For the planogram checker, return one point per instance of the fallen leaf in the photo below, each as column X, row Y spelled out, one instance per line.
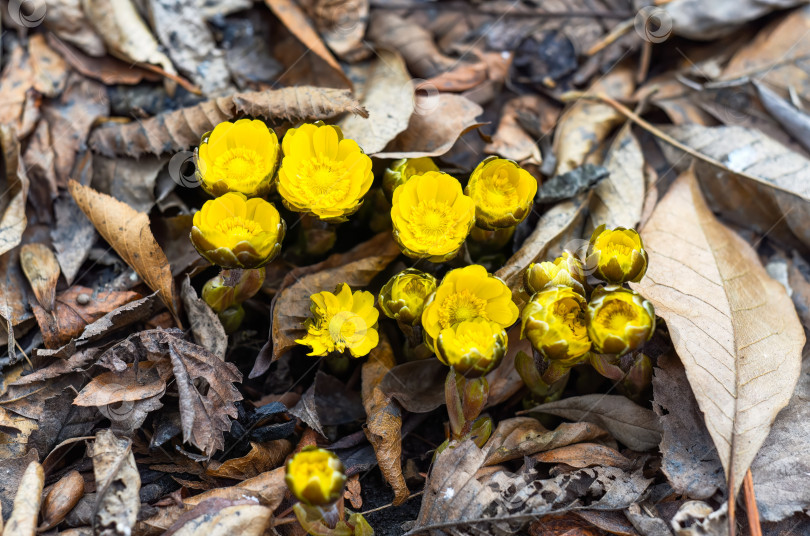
column 794, row 121
column 417, row 385
column 42, row 271
column 585, row 455
column 689, row 19
column 511, row 140
column 734, row 328
column 204, row 322
column 342, row 26
column 17, row 112
column 117, row 485
column 23, row 520
column 437, row 122
column 12, row 469
column 690, row 460
column 61, row 499
column 570, row 184
column 384, row 420
column 567, row 525
column 127, row 231
column 389, row 99
column 647, row 521
column 181, row 129
column 15, row 191
column 523, row 436
column 137, row 382
column 50, row 70
column 353, row 492
column 262, row 457
column 72, row 236
column 629, row 423
column 504, row 381
column 696, row 518
column 128, row 179
column 245, row 519
column 66, row 19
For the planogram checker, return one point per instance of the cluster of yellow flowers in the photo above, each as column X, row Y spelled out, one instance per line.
column 563, row 325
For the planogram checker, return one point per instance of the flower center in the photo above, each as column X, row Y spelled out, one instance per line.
column 347, row 328
column 615, row 315
column 323, row 180
column 569, row 311
column 499, row 192
column 241, row 166
column 460, row 306
column 239, row 228
column 432, row 222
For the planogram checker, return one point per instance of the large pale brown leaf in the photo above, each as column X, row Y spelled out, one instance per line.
column 181, row 129
column 128, row 232
column 734, row 328
column 15, row 192
column 23, row 520
column 117, row 485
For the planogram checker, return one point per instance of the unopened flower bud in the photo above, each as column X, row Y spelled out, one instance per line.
column 554, row 322
column 403, row 297
column 619, row 320
column 315, row 476
column 617, row 255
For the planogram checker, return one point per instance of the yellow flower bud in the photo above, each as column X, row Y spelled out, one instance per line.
column 230, row 287
column 238, row 157
column 619, row 320
column 403, row 297
column 432, row 217
column 565, row 270
column 473, row 347
column 466, row 294
column 232, row 231
column 502, row 191
column 341, row 321
column 322, row 173
column 315, row 476
column 554, row 322
column 617, row 255
column 401, row 171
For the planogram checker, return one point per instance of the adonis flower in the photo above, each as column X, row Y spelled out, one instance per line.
column 566, row 270
column 432, row 217
column 341, row 321
column 322, row 173
column 617, row 255
column 233, row 231
column 554, row 322
column 401, row 171
column 466, row 294
column 315, row 476
column 403, row 297
column 503, row 193
column 238, row 157
column 619, row 320
column 473, row 347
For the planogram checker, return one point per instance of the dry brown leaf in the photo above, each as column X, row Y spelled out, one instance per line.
column 511, row 140
column 61, row 499
column 244, row 519
column 18, row 110
column 629, row 423
column 42, row 271
column 299, row 24
column 15, row 191
column 417, row 385
column 342, row 25
column 23, row 520
column 384, row 419
column 691, row 19
column 523, row 436
column 734, row 328
column 504, row 381
column 389, row 100
column 261, row 458
column 585, row 455
column 50, row 70
column 437, row 122
column 137, row 382
column 204, row 322
column 72, row 236
column 12, row 467
column 117, row 485
column 66, row 19
column 127, row 231
column 353, row 491
column 181, row 129
column 566, row 525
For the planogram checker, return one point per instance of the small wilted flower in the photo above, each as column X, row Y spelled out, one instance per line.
column 619, row 320
column 466, row 294
column 432, row 217
column 400, row 171
column 341, row 321
column 617, row 255
column 502, row 191
column 554, row 322
column 322, row 173
column 315, row 476
column 233, row 231
column 565, row 270
column 403, row 297
column 473, row 347
column 238, row 157
column 230, row 287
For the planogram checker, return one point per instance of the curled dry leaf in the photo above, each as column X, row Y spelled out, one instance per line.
column 42, row 271
column 246, row 519
column 417, row 385
column 61, row 499
column 511, row 140
column 585, row 455
column 15, row 191
column 182, row 129
column 262, row 457
column 734, row 328
column 629, row 423
column 127, row 231
column 138, row 382
column 384, row 419
column 205, row 324
column 353, row 491
column 117, row 485
column 389, row 100
column 23, row 520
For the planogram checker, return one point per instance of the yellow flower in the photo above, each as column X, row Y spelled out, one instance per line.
column 403, row 296
column 340, row 321
column 619, row 320
column 466, row 294
column 432, row 217
column 554, row 322
column 401, row 171
column 617, row 255
column 565, row 270
column 322, row 173
column 315, row 476
column 503, row 193
column 233, row 231
column 238, row 157
column 473, row 347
